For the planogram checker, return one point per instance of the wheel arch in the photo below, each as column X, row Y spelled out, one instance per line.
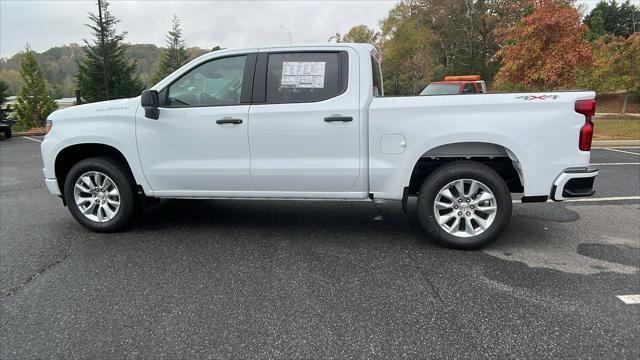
column 70, row 155
column 495, row 155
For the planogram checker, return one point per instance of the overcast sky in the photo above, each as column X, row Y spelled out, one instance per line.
column 205, row 23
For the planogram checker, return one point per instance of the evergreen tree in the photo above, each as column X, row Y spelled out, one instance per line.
column 33, row 103
column 4, row 87
column 176, row 53
column 106, row 72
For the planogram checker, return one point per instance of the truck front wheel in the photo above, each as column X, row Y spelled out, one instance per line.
column 99, row 194
column 464, row 205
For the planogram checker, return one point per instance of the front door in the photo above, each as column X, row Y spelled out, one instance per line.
column 198, row 146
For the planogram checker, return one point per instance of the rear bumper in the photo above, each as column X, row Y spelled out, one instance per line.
column 574, row 183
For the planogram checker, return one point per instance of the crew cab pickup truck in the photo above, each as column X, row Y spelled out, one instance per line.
column 311, row 122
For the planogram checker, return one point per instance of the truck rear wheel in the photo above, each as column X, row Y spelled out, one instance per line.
column 464, row 205
column 99, row 194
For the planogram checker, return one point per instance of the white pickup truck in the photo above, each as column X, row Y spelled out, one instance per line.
column 311, row 122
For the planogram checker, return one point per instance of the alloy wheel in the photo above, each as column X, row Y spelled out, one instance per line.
column 465, row 207
column 96, row 196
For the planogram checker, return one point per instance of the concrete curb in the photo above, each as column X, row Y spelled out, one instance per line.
column 617, row 116
column 615, row 143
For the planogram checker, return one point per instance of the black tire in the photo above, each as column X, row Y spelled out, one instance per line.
column 120, row 175
column 448, row 173
column 7, row 134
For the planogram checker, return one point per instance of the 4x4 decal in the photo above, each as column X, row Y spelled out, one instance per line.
column 537, row 97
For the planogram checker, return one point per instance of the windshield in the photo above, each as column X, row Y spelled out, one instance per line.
column 441, row 89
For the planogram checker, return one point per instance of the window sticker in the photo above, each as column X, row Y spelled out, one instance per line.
column 297, row 74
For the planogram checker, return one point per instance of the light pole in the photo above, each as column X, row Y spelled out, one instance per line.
column 288, row 32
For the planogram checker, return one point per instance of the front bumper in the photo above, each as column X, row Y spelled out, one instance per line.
column 52, row 186
column 574, row 183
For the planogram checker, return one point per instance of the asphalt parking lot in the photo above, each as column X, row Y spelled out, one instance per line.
column 249, row 279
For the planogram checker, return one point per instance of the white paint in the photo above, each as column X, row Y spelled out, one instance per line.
column 186, row 150
column 615, row 164
column 32, row 139
column 629, row 299
column 623, row 151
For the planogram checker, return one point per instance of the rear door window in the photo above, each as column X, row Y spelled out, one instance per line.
column 305, row 77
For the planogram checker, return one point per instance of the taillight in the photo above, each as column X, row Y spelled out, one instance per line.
column 588, row 109
column 49, row 125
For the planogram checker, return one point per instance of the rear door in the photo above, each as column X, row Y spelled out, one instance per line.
column 304, row 132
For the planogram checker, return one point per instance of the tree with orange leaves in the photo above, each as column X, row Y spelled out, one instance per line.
column 542, row 50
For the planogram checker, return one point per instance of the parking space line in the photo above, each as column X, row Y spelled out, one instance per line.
column 612, row 198
column 618, row 163
column 32, row 139
column 623, row 151
column 629, row 299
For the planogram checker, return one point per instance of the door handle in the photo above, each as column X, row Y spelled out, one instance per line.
column 228, row 121
column 338, row 118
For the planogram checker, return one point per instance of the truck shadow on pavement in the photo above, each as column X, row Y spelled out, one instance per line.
column 541, row 236
column 286, row 218
column 383, row 221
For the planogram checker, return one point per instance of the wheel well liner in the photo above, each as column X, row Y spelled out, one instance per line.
column 501, row 164
column 73, row 154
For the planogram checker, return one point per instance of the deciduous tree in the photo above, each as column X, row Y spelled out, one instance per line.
column 407, row 50
column 614, row 68
column 33, row 103
column 358, row 34
column 464, row 33
column 544, row 48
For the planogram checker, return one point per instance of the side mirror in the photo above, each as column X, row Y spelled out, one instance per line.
column 150, row 102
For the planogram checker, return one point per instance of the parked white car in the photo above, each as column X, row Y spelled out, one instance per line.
column 311, row 122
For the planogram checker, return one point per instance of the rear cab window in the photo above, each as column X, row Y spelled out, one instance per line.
column 469, row 89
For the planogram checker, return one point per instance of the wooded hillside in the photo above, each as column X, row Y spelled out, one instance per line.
column 59, row 66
